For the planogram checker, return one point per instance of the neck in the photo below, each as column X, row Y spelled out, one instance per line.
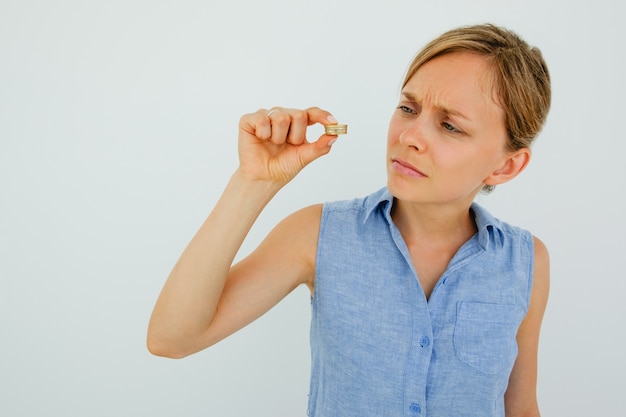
column 436, row 224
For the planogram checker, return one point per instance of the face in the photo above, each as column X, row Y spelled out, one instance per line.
column 447, row 135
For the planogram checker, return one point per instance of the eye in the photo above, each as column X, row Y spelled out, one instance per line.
column 450, row 128
column 406, row 109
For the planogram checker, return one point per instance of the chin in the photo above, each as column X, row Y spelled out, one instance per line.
column 402, row 189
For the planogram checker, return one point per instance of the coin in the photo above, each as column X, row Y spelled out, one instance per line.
column 336, row 129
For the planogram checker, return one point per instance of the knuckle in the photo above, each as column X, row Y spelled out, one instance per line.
column 246, row 116
column 300, row 117
column 264, row 134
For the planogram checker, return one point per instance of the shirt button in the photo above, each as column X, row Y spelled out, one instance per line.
column 424, row 341
column 415, row 408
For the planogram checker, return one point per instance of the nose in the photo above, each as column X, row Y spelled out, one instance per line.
column 415, row 133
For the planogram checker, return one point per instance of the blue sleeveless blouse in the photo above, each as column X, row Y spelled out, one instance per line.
column 380, row 348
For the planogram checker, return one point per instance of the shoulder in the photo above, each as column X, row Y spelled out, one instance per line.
column 541, row 274
column 360, row 207
column 539, row 290
column 542, row 257
column 299, row 231
column 302, row 225
column 503, row 234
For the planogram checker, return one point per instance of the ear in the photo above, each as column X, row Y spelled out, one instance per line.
column 513, row 164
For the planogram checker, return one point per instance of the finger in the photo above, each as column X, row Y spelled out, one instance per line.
column 256, row 124
column 297, row 128
column 317, row 115
column 280, row 122
column 312, row 151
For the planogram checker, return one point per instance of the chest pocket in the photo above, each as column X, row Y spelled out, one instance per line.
column 485, row 336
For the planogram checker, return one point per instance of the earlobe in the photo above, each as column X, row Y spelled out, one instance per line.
column 512, row 166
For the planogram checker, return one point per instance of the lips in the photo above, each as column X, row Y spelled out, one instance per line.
column 406, row 168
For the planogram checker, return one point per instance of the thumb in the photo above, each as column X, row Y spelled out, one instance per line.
column 323, row 144
column 320, row 147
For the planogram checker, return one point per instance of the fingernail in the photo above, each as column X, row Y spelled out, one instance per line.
column 330, row 142
column 331, row 119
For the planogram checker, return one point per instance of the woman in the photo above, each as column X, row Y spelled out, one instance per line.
column 423, row 303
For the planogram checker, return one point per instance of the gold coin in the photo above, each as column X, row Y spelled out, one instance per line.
column 336, row 129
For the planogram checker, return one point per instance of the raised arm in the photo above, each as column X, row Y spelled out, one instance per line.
column 205, row 299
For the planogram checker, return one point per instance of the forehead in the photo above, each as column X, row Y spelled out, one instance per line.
column 460, row 81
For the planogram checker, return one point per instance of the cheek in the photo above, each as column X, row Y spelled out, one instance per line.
column 458, row 160
column 393, row 133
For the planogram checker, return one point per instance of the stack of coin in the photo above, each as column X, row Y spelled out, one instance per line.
column 336, row 129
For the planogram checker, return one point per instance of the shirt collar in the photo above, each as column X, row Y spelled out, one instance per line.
column 489, row 228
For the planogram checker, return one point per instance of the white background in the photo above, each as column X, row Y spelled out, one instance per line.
column 118, row 124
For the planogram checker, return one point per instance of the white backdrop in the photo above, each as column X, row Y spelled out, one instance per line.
column 118, row 124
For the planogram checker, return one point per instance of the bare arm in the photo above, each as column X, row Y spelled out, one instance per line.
column 521, row 395
column 205, row 299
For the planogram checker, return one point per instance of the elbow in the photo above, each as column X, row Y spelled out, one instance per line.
column 164, row 347
column 173, row 346
column 157, row 348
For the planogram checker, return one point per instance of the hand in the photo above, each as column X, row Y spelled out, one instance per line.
column 275, row 148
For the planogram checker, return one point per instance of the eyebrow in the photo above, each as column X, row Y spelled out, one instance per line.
column 442, row 107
